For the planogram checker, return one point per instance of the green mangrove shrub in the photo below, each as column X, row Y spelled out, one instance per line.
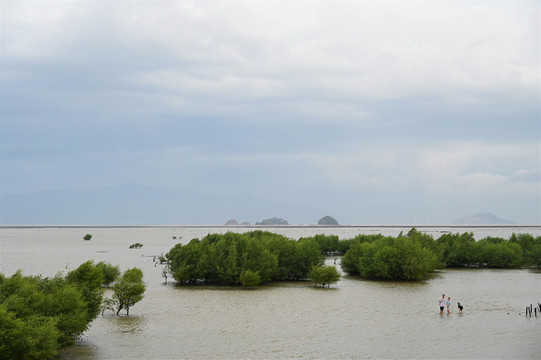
column 41, row 315
column 235, row 259
column 324, row 275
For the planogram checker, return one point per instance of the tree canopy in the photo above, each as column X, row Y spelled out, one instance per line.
column 256, row 257
column 251, row 258
column 324, row 275
column 128, row 290
column 40, row 315
column 412, row 256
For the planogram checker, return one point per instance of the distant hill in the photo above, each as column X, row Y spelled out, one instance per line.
column 482, row 219
column 134, row 204
column 235, row 222
column 327, row 220
column 273, row 221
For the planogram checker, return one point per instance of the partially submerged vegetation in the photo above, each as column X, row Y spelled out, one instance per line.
column 247, row 259
column 402, row 258
column 324, row 275
column 257, row 257
column 41, row 315
column 411, row 256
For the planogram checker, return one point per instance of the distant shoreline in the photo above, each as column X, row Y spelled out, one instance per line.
column 453, row 226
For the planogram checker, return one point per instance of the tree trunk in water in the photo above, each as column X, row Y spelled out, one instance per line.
column 120, row 307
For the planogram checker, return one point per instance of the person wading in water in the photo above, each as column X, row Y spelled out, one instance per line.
column 442, row 303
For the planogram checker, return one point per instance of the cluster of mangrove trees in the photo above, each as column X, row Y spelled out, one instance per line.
column 247, row 259
column 256, row 257
column 390, row 258
column 40, row 315
column 412, row 256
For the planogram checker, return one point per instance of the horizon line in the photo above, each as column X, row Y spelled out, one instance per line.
column 279, row 226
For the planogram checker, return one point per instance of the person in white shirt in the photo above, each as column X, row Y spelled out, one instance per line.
column 442, row 303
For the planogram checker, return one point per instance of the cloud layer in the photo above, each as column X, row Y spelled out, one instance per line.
column 377, row 111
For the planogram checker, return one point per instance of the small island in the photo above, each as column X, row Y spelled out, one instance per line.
column 327, row 220
column 273, row 221
column 234, row 222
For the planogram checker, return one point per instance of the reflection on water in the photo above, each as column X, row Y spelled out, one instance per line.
column 127, row 324
column 353, row 319
column 82, row 350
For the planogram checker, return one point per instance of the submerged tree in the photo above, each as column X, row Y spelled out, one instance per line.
column 128, row 290
column 250, row 278
column 40, row 315
column 324, row 275
column 388, row 258
column 89, row 278
column 234, row 259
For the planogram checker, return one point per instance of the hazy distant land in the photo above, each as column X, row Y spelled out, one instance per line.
column 131, row 205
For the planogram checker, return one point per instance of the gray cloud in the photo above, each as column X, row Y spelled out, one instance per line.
column 354, row 100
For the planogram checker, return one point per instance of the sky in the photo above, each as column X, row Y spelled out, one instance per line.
column 376, row 111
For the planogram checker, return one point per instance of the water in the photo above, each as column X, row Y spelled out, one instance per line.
column 352, row 319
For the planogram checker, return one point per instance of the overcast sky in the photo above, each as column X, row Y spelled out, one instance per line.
column 376, row 111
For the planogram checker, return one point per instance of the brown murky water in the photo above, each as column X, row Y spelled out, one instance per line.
column 353, row 319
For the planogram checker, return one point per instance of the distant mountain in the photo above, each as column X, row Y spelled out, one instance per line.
column 482, row 219
column 133, row 204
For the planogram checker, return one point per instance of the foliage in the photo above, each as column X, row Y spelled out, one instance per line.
column 128, row 290
column 328, row 244
column 531, row 249
column 249, row 278
column 137, row 245
column 408, row 257
column 88, row 279
column 500, row 254
column 461, row 250
column 324, row 275
column 353, row 251
column 38, row 315
column 222, row 258
column 108, row 304
column 31, row 337
column 110, row 272
column 234, row 258
column 458, row 249
column 87, row 237
column 534, row 256
column 401, row 258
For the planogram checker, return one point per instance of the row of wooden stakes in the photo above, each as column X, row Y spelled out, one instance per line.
column 530, row 308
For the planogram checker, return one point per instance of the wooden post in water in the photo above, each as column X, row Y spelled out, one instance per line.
column 527, row 310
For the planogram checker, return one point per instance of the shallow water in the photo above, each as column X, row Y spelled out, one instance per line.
column 352, row 319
